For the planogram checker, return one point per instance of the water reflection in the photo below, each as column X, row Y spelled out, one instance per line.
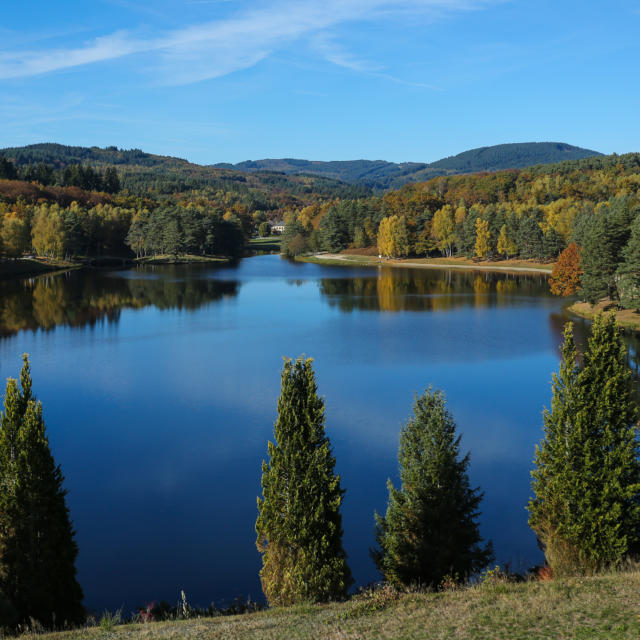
column 84, row 298
column 421, row 290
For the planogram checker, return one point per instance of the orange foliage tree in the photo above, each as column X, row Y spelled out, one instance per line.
column 565, row 277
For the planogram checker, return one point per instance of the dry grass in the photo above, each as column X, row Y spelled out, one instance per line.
column 359, row 259
column 627, row 318
column 606, row 607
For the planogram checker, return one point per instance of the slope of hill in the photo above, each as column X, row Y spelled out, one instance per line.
column 379, row 174
column 141, row 172
column 603, row 607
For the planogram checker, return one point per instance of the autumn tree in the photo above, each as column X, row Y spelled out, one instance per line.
column 483, row 238
column 443, row 228
column 393, row 238
column 586, row 482
column 566, row 273
column 430, row 528
column 15, row 237
column 506, row 245
column 37, row 546
column 299, row 526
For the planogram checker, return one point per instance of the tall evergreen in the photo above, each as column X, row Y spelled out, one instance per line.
column 599, row 260
column 586, row 482
column 430, row 529
column 299, row 525
column 37, row 547
column 629, row 270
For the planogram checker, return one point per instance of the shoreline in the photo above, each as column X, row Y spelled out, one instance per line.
column 341, row 259
column 627, row 319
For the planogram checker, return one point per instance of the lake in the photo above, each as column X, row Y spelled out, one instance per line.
column 159, row 388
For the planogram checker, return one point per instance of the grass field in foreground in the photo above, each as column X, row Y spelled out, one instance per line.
column 606, row 607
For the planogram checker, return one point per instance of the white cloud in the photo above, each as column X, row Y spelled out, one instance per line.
column 219, row 47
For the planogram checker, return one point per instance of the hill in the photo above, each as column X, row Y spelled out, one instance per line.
column 604, row 607
column 141, row 173
column 379, row 174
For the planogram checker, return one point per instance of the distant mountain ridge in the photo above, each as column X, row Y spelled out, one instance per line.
column 137, row 166
column 380, row 174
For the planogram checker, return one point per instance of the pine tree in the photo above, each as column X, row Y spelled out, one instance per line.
column 430, row 529
column 586, row 505
column 629, row 270
column 299, row 525
column 37, row 547
column 599, row 261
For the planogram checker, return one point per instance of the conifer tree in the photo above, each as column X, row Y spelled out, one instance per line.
column 37, row 547
column 430, row 529
column 629, row 270
column 299, row 525
column 586, row 505
column 599, row 261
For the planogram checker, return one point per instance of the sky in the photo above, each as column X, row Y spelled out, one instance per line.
column 399, row 80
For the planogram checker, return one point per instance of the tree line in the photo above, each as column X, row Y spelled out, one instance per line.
column 532, row 213
column 585, row 508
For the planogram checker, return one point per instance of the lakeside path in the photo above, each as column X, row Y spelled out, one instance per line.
column 425, row 263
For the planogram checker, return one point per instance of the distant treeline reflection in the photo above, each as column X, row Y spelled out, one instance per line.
column 81, row 298
column 418, row 290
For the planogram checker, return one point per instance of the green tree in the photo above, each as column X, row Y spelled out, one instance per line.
column 586, row 482
column 264, row 230
column 599, row 260
column 37, row 547
column 430, row 529
column 299, row 526
column 629, row 270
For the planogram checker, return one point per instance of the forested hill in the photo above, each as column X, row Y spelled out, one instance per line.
column 379, row 174
column 141, row 173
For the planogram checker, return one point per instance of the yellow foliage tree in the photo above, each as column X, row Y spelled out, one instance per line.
column 393, row 237
column 506, row 245
column 15, row 238
column 443, row 229
column 483, row 238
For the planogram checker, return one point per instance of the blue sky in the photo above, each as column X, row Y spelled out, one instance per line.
column 230, row 80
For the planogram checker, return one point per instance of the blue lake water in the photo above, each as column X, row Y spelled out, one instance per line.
column 159, row 388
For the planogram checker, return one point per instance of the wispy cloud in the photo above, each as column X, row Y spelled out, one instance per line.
column 220, row 47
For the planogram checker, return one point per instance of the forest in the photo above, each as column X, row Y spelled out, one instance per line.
column 54, row 204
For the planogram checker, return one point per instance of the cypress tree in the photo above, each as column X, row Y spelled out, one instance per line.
column 37, row 547
column 586, row 505
column 430, row 529
column 299, row 526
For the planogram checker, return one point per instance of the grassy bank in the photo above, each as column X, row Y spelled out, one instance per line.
column 604, row 607
column 626, row 318
column 344, row 259
column 270, row 243
column 186, row 258
column 33, row 267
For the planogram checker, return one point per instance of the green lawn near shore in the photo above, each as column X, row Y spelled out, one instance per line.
column 605, row 607
column 269, row 243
